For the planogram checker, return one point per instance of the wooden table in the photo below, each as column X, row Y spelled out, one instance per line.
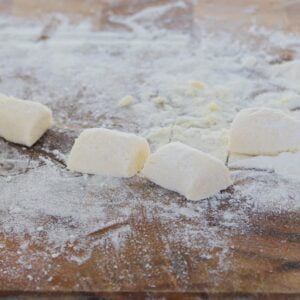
column 264, row 260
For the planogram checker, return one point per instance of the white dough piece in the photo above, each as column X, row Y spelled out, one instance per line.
column 186, row 170
column 108, row 152
column 23, row 122
column 257, row 131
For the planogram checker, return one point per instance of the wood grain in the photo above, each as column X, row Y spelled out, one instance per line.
column 263, row 260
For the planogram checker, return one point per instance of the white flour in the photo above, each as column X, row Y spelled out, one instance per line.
column 185, row 88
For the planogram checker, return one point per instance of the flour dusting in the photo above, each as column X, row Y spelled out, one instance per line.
column 182, row 87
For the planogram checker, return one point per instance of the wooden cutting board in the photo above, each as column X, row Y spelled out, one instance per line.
column 261, row 259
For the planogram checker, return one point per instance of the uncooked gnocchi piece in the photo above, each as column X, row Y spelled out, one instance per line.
column 188, row 171
column 257, row 131
column 108, row 152
column 23, row 122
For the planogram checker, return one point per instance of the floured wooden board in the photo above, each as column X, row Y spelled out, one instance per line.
column 63, row 232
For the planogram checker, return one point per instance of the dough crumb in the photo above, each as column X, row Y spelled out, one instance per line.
column 213, row 107
column 126, row 101
column 159, row 100
column 188, row 122
column 194, row 88
column 196, row 84
column 210, row 120
column 29, row 277
column 160, row 136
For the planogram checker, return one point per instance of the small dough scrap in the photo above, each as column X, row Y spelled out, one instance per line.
column 210, row 120
column 188, row 171
column 194, row 88
column 23, row 122
column 159, row 100
column 108, row 152
column 126, row 101
column 196, row 84
column 160, row 136
column 213, row 107
column 189, row 122
column 257, row 131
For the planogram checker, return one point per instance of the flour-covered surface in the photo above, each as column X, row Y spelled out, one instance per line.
column 63, row 231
